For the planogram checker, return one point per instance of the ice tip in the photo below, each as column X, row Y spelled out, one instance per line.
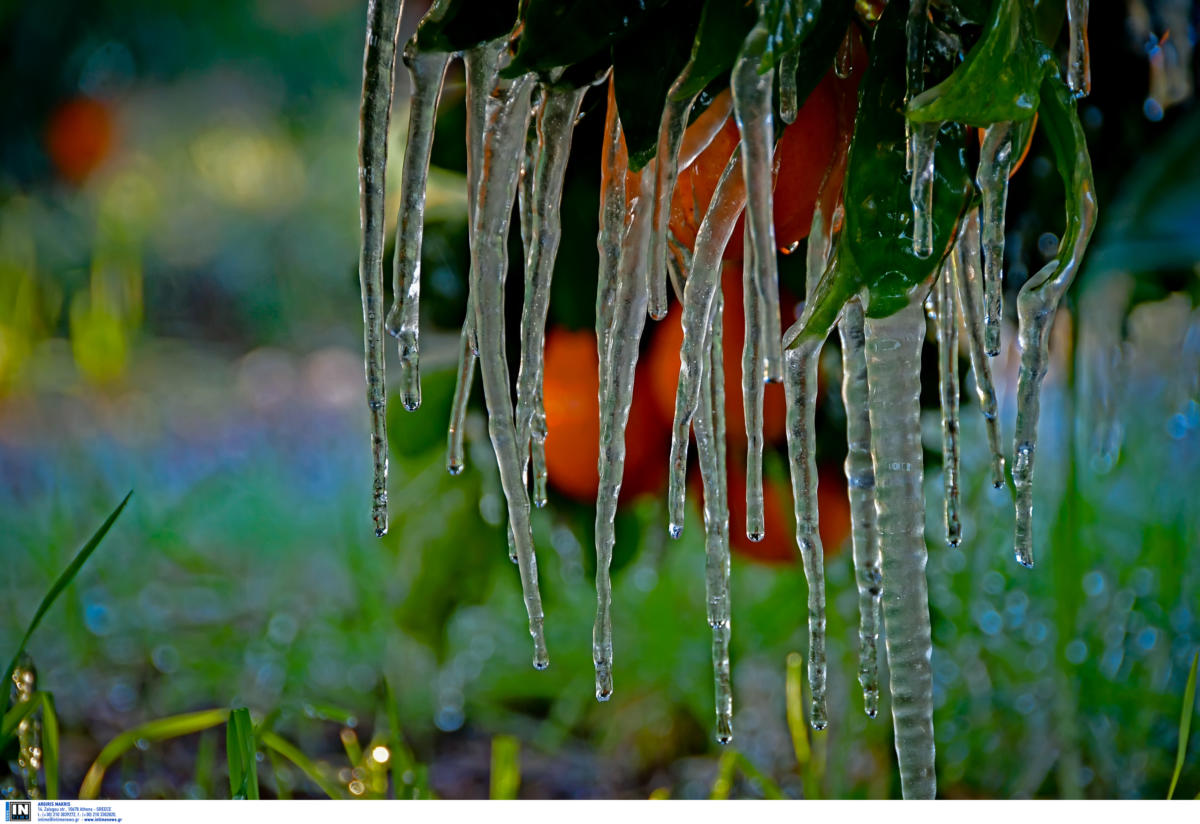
column 411, row 403
column 756, row 536
column 454, row 468
column 675, row 530
column 724, row 731
column 541, row 662
column 380, row 531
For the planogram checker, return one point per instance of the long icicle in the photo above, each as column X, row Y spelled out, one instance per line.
column 616, row 395
column 752, row 108
column 428, row 72
column 860, row 483
column 922, row 145
column 670, row 137
column 800, row 389
column 995, row 163
column 507, row 113
column 710, row 449
column 1079, row 63
column 379, row 58
column 715, row 230
column 481, row 68
column 1037, row 303
column 555, row 124
column 947, row 339
column 894, row 380
column 753, row 377
column 613, row 213
column 965, row 259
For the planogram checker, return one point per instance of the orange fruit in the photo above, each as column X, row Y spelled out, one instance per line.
column 79, row 137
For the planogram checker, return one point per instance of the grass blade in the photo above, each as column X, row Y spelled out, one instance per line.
column 506, row 768
column 64, row 579
column 240, row 754
column 276, row 743
column 50, row 737
column 16, row 714
column 1185, row 723
column 159, row 730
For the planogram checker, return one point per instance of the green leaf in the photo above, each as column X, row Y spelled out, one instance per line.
column 788, row 24
column 465, row 24
column 875, row 248
column 63, row 580
column 159, row 730
column 50, row 745
column 274, row 742
column 645, row 64
column 506, row 768
column 556, row 33
column 18, row 713
column 723, row 27
column 999, row 80
column 1185, row 724
column 240, row 755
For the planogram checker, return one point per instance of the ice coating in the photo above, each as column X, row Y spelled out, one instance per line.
column 1037, row 303
column 506, row 119
column 379, row 58
column 465, row 375
column 613, row 218
column 800, row 390
column 947, row 339
column 922, row 143
column 753, row 377
column 618, row 366
column 995, row 164
column 1079, row 64
column 428, row 72
column 752, row 110
column 789, row 103
column 710, row 449
column 699, row 291
column 967, row 271
column 554, row 125
column 670, row 139
column 860, row 483
column 894, row 387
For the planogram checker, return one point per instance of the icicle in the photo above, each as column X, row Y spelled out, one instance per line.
column 1037, row 303
column 753, row 374
column 619, row 364
column 613, row 210
column 914, row 62
column 428, row 72
column 995, row 164
column 860, row 482
column 800, row 385
column 378, row 63
column 555, row 123
column 702, row 281
column 507, row 113
column 670, row 136
column 894, row 379
column 922, row 143
column 1079, row 64
column 967, row 276
column 789, row 103
column 462, row 392
column 707, row 125
column 752, row 108
column 947, row 338
column 710, row 449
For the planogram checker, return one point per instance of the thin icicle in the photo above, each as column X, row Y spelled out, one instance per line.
column 379, row 59
column 914, row 65
column 507, row 113
column 800, row 385
column 947, row 338
column 555, row 123
column 702, row 281
column 894, row 379
column 670, row 137
column 753, row 375
column 753, row 110
column 922, row 143
column 995, row 164
column 710, row 449
column 428, row 72
column 1037, row 303
column 860, row 482
column 789, row 103
column 707, row 125
column 967, row 277
column 1079, row 63
column 619, row 364
column 613, row 211
column 462, row 392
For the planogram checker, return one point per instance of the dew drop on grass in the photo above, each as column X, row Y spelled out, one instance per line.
column 379, row 58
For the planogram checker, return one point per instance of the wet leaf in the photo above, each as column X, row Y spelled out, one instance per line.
column 789, row 24
column 465, row 24
column 556, row 33
column 723, row 26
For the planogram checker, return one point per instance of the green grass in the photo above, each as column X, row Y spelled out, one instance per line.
column 1185, row 724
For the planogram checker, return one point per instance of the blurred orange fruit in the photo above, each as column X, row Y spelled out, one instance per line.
column 79, row 137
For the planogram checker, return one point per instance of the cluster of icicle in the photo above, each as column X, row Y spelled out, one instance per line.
column 518, row 138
